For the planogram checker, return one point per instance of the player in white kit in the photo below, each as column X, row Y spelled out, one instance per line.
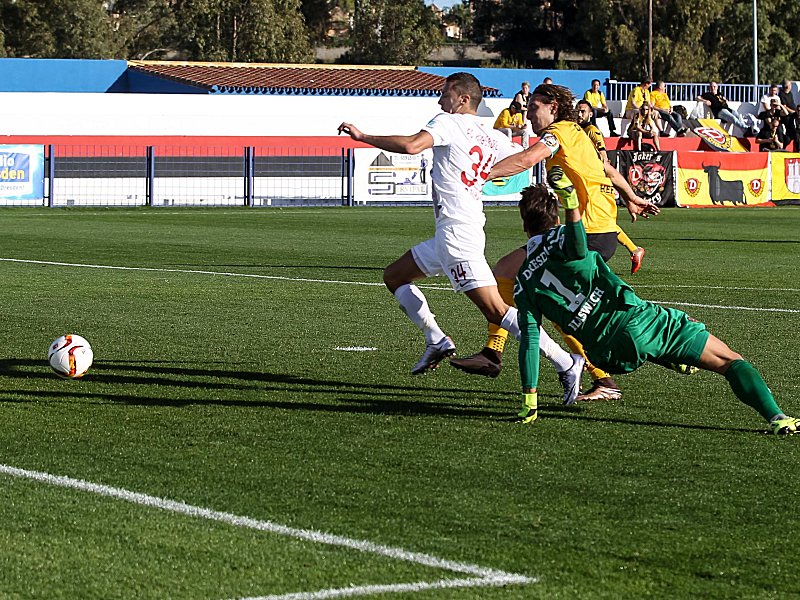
column 464, row 150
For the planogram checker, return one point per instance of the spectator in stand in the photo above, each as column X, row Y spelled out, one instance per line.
column 639, row 95
column 523, row 97
column 597, row 100
column 771, row 138
column 663, row 107
column 510, row 122
column 643, row 126
column 720, row 109
column 789, row 122
column 547, row 81
column 775, row 109
column 766, row 99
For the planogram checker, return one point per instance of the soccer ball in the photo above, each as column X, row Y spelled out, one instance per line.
column 70, row 356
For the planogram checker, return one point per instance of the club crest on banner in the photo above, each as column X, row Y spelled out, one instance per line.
column 792, row 174
column 692, row 186
column 756, row 187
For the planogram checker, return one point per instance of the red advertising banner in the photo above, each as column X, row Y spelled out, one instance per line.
column 719, row 179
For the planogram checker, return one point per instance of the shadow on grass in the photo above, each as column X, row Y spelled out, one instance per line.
column 343, row 395
column 379, row 399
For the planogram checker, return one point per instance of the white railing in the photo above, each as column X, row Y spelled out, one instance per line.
column 688, row 92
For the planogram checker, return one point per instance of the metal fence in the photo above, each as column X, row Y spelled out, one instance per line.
column 107, row 175
column 688, row 92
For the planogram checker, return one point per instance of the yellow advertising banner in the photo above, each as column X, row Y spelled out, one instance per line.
column 785, row 176
column 718, row 179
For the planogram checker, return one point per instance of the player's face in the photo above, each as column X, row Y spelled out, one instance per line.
column 585, row 113
column 540, row 114
column 450, row 101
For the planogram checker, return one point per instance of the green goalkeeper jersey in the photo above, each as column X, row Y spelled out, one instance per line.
column 571, row 286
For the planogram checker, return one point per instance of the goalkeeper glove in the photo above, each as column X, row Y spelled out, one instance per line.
column 562, row 187
column 529, row 410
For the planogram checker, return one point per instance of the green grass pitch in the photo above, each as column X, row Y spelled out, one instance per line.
column 229, row 392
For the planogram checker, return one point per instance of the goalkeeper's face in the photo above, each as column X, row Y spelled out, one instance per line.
column 541, row 114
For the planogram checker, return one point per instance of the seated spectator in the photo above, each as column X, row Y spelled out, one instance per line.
column 547, row 81
column 638, row 95
column 509, row 121
column 597, row 100
column 767, row 98
column 523, row 98
column 775, row 109
column 771, row 138
column 643, row 126
column 721, row 110
column 663, row 107
column 789, row 121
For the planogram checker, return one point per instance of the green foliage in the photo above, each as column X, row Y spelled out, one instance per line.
column 49, row 29
column 242, row 30
column 393, row 32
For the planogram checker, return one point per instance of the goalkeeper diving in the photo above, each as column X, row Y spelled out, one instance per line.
column 573, row 287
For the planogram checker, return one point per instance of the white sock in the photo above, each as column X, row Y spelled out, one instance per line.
column 510, row 323
column 561, row 359
column 413, row 303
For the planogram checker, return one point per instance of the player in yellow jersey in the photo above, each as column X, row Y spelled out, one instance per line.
column 562, row 143
column 622, row 185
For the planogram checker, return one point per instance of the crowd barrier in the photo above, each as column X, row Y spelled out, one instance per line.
column 174, row 174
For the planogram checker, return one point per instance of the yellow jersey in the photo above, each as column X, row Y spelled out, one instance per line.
column 660, row 100
column 636, row 97
column 596, row 99
column 572, row 150
column 506, row 119
column 596, row 137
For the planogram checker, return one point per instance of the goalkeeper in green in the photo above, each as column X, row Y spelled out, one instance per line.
column 573, row 287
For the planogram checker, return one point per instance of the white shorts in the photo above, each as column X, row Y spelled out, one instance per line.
column 456, row 250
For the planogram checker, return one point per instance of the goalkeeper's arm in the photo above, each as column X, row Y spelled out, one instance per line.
column 575, row 245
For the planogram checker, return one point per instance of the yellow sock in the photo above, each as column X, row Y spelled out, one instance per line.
column 623, row 239
column 498, row 335
column 577, row 348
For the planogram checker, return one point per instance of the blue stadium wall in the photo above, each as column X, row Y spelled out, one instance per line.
column 508, row 81
column 76, row 75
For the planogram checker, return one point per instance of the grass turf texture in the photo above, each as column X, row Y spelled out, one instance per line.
column 227, row 393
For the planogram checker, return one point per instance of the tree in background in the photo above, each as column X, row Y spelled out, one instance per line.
column 393, row 32
column 64, row 29
column 242, row 30
column 143, row 27
column 461, row 14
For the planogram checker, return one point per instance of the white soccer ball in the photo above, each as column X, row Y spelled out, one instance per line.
column 70, row 356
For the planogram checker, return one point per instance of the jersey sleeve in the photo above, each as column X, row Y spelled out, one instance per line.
column 439, row 128
column 551, row 142
column 574, row 244
column 529, row 318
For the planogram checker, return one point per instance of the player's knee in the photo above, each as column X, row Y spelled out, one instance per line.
column 508, row 266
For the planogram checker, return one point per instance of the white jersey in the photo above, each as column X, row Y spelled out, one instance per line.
column 464, row 150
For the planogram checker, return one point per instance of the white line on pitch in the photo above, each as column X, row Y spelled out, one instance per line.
column 310, row 535
column 420, row 586
column 362, row 283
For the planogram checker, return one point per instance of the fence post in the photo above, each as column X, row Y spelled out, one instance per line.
column 351, row 165
column 249, row 168
column 51, row 172
column 151, row 176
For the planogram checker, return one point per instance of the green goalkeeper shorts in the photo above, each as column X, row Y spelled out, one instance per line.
column 654, row 333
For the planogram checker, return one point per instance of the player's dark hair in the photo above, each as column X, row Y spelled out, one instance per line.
column 538, row 209
column 549, row 93
column 466, row 84
column 584, row 102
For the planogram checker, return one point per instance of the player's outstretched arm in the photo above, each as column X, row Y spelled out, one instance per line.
column 519, row 162
column 402, row 144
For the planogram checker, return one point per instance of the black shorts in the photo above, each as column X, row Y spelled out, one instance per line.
column 605, row 244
